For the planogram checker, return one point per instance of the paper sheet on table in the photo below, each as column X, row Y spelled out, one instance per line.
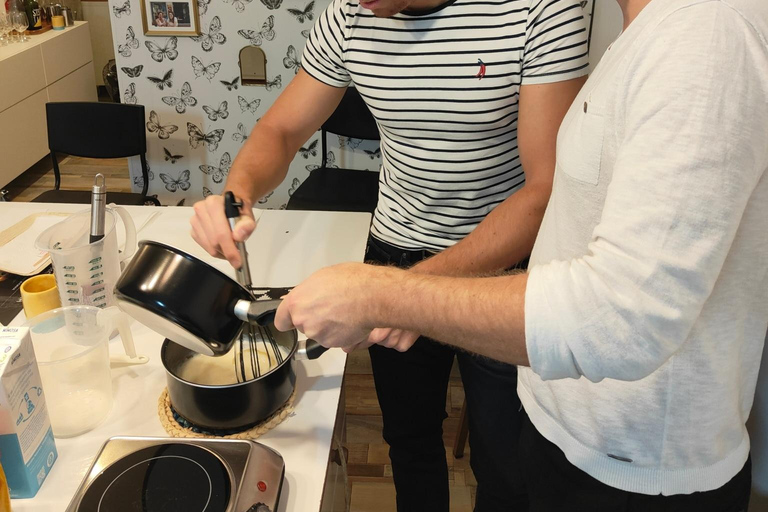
column 20, row 256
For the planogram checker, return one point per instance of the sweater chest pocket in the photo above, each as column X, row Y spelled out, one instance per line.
column 580, row 145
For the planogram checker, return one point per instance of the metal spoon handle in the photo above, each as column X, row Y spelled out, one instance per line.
column 232, row 210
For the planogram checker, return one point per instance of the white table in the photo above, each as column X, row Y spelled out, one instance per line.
column 286, row 247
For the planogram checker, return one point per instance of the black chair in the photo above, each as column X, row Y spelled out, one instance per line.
column 334, row 189
column 96, row 130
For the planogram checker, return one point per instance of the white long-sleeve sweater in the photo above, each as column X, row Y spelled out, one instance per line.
column 647, row 299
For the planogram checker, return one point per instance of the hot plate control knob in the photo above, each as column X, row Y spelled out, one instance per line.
column 262, row 486
column 259, row 507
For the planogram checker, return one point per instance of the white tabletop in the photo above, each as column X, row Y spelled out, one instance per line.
column 286, row 247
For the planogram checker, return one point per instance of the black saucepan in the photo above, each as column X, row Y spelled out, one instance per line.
column 188, row 301
column 234, row 406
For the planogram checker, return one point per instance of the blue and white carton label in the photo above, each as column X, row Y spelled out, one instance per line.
column 27, row 450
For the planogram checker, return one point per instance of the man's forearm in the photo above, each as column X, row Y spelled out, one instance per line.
column 481, row 315
column 501, row 240
column 261, row 165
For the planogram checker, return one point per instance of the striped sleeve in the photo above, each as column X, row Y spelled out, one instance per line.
column 323, row 56
column 556, row 46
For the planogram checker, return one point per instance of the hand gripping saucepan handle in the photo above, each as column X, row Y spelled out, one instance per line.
column 259, row 312
column 262, row 312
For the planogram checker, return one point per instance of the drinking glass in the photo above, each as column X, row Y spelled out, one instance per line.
column 5, row 28
column 20, row 23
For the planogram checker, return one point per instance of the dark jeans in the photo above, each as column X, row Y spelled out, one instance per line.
column 411, row 387
column 555, row 485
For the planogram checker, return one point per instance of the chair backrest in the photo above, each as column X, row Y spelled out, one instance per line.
column 96, row 130
column 352, row 118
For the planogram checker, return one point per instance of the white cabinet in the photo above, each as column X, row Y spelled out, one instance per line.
column 53, row 66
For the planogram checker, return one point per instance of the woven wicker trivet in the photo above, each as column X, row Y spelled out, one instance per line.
column 171, row 422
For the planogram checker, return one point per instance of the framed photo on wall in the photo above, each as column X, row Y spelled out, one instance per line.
column 170, row 17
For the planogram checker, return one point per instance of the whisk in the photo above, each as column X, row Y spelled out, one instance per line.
column 246, row 350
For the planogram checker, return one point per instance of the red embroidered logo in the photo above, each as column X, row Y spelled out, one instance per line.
column 480, row 74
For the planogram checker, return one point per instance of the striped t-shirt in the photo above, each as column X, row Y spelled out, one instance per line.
column 443, row 86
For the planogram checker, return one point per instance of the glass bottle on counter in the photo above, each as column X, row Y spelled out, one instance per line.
column 45, row 13
column 33, row 13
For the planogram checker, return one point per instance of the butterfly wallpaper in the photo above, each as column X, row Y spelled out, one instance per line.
column 198, row 112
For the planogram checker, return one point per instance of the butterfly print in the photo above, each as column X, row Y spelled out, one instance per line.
column 208, row 71
column 277, row 83
column 123, row 9
column 139, row 180
column 169, row 156
column 181, row 183
column 265, row 198
column 169, row 50
column 154, row 126
column 305, row 33
column 231, row 85
column 373, row 154
column 162, row 83
column 133, row 72
column 202, row 6
column 272, row 4
column 310, row 150
column 240, row 135
column 267, row 32
column 206, row 192
column 196, row 136
column 350, row 142
column 294, row 185
column 218, row 173
column 583, row 3
column 131, row 43
column 330, row 161
column 245, row 105
column 291, row 60
column 183, row 101
column 213, row 36
column 238, row 4
column 304, row 15
column 129, row 96
column 215, row 115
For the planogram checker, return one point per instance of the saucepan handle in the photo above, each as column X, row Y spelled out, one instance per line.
column 259, row 312
column 309, row 349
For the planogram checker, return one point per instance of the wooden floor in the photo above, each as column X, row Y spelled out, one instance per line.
column 370, row 473
column 76, row 174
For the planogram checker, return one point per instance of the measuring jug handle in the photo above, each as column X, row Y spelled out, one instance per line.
column 130, row 232
column 116, row 319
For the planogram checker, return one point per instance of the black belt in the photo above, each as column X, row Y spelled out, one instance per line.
column 382, row 252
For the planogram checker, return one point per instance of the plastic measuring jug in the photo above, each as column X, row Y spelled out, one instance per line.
column 72, row 350
column 86, row 273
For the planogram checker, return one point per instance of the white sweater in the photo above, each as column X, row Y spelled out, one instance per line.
column 647, row 299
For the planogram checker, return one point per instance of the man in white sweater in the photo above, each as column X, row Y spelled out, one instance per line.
column 643, row 314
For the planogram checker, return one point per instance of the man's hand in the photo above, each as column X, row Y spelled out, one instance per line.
column 333, row 305
column 397, row 339
column 210, row 228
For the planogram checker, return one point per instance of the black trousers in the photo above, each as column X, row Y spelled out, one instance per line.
column 412, row 386
column 555, row 485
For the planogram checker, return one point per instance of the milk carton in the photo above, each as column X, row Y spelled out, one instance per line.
column 27, row 451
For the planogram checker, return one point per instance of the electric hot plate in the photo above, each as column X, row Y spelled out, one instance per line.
column 143, row 474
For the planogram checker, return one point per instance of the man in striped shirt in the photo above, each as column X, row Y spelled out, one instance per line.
column 468, row 96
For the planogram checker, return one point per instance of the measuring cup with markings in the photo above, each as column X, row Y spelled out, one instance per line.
column 72, row 350
column 86, row 272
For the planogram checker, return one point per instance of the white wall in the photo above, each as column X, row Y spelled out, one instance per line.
column 96, row 13
column 606, row 26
